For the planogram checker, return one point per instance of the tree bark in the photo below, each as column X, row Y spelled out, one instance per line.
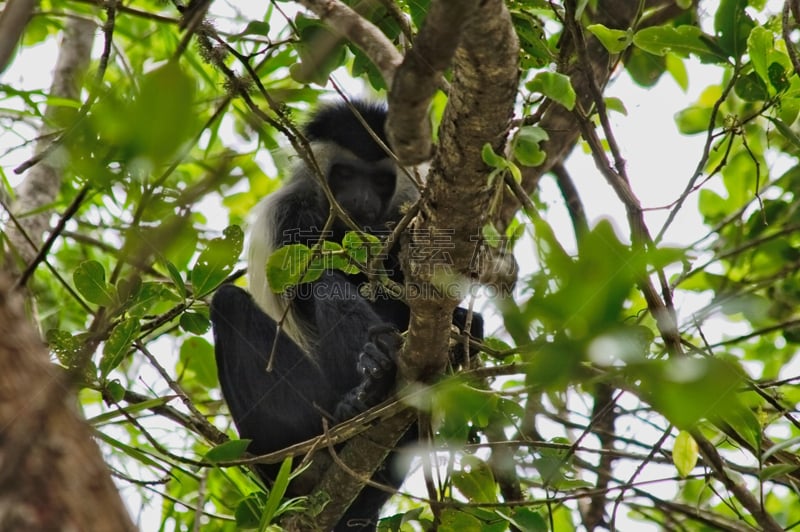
column 455, row 204
column 43, row 181
column 52, row 475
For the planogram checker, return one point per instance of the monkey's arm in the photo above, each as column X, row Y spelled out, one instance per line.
column 356, row 345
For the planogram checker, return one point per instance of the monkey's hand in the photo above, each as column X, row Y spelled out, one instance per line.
column 377, row 362
column 377, row 365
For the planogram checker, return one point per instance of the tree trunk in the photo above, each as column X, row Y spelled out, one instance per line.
column 52, row 475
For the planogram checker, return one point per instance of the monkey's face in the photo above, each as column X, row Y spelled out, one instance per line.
column 364, row 190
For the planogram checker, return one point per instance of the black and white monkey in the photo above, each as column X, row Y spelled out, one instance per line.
column 334, row 356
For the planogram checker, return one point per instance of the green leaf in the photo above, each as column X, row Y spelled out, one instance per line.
column 751, row 88
column 526, row 145
column 495, row 344
column 228, row 451
column 778, row 77
column 128, row 289
column 602, row 279
column 491, row 158
column 116, row 390
column 555, row 86
column 176, row 277
column 90, row 281
column 194, row 322
column 216, row 262
column 615, row 41
column 733, row 25
column 458, row 521
column 462, row 406
column 682, row 40
column 500, row 163
column 248, row 511
column 256, row 27
column 316, row 62
column 529, row 520
column 693, row 120
column 360, row 248
column 156, row 122
column 685, row 453
column 138, row 455
column 677, row 69
column 491, row 235
column 118, row 345
column 532, row 40
column 197, row 357
column 278, row 491
column 475, row 481
column 782, row 446
column 688, row 390
column 744, row 421
column 711, row 205
column 291, row 265
column 615, row 104
column 65, row 346
column 627, row 344
column 759, row 44
column 645, row 68
column 335, row 258
column 152, row 298
column 777, row 471
column 111, row 415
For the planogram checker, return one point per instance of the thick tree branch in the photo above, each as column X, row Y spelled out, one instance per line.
column 360, row 32
column 52, row 475
column 42, row 182
column 418, row 76
column 360, row 455
column 455, row 204
column 13, row 20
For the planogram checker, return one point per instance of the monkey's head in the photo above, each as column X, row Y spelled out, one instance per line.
column 361, row 176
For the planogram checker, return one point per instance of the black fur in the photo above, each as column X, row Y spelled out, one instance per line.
column 339, row 124
column 337, row 356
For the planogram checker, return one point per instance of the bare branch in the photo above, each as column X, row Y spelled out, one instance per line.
column 560, row 124
column 711, row 456
column 360, row 32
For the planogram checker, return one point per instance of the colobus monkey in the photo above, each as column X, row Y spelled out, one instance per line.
column 365, row 183
column 334, row 354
